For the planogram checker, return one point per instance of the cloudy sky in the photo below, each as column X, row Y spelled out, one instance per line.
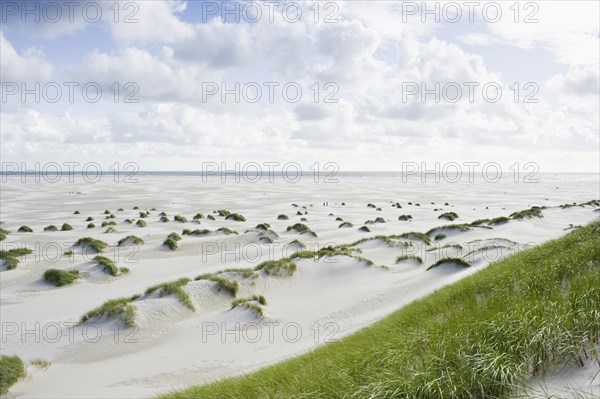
column 171, row 84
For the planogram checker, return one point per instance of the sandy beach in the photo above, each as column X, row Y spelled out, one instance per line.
column 171, row 346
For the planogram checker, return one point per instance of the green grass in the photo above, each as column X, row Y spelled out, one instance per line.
column 227, row 230
column 235, row 216
column 174, row 288
column 258, row 298
column 108, row 224
column 108, row 266
column 89, row 219
column 40, row 363
column 416, row 236
column 11, row 370
column 231, row 286
column 51, row 228
column 478, row 338
column 405, row 218
column 174, row 236
column 120, row 308
column 91, row 243
column 365, row 229
column 141, row 223
column 282, row 217
column 59, row 278
column 210, row 217
column 532, row 212
column 345, row 225
column 197, row 216
column 197, row 232
column 297, row 243
column 279, row 268
column 439, row 236
column 180, row 219
column 454, row 261
column 223, row 212
column 91, row 225
column 171, row 244
column 302, row 229
column 263, row 226
column 451, row 216
column 76, row 213
column 3, row 234
column 405, row 258
column 144, row 214
column 10, row 257
column 163, row 219
column 451, row 227
column 244, row 272
column 25, row 229
column 130, row 239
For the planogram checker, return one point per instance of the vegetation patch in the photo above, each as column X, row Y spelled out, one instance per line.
column 532, row 212
column 365, row 229
column 130, row 239
column 282, row 217
column 454, row 261
column 51, row 228
column 171, row 244
column 278, row 268
column 197, row 232
column 12, row 369
column 197, row 216
column 120, row 308
column 180, row 219
column 91, row 225
column 174, row 288
column 235, row 216
column 449, row 227
column 416, row 236
column 405, row 218
column 345, row 225
column 227, row 231
column 451, row 216
column 40, row 363
column 3, row 234
column 302, row 229
column 406, row 258
column 91, row 243
column 231, row 286
column 141, row 223
column 59, row 278
column 25, row 229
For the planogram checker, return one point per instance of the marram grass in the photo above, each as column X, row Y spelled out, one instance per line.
column 478, row 338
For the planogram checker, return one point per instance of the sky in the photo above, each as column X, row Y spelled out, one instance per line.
column 174, row 85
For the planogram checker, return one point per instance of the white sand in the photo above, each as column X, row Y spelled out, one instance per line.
column 323, row 300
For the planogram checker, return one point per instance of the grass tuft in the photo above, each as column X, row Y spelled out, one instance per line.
column 120, row 308
column 59, row 278
column 532, row 212
column 91, row 243
column 12, row 369
column 231, row 286
column 174, row 288
column 235, row 216
column 455, row 261
column 25, row 229
column 406, row 258
column 302, row 229
column 51, row 228
column 130, row 239
column 279, row 268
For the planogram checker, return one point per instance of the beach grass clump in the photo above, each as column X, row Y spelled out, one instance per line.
column 144, row 214
column 40, row 363
column 451, row 216
column 263, row 226
column 278, row 268
column 210, row 217
column 406, row 258
column 364, row 229
column 69, row 253
column 197, row 216
column 120, row 308
column 90, row 225
column 108, row 224
column 174, row 288
column 59, row 278
column 107, row 264
column 163, row 219
column 416, row 236
column 10, row 257
column 91, row 243
column 254, row 298
column 297, row 244
column 249, row 303
column 231, row 286
column 107, row 212
column 227, row 230
column 439, row 237
column 141, row 223
column 25, row 229
column 498, row 220
column 282, row 217
column 454, row 261
column 481, row 337
column 223, row 212
column 130, row 239
column 244, row 272
column 3, row 234
column 236, row 217
column 532, row 212
column 171, row 244
column 12, row 369
column 345, row 225
column 180, row 219
column 196, row 232
column 110, row 229
column 405, row 218
column 450, row 227
column 51, row 228
column 89, row 219
column 76, row 213
column 302, row 229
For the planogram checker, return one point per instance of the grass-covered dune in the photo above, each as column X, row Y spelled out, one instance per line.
column 478, row 338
